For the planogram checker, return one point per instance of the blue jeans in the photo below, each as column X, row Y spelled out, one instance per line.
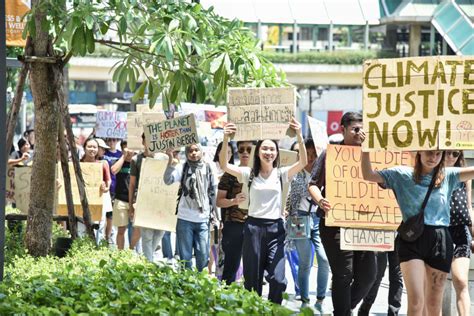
column 166, row 246
column 303, row 247
column 191, row 236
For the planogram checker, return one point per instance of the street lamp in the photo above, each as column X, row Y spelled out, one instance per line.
column 319, row 90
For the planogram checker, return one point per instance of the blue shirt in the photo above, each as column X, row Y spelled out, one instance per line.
column 410, row 195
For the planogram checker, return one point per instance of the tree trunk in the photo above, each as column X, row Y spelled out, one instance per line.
column 45, row 79
column 67, row 180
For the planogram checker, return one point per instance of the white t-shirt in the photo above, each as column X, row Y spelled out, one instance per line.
column 265, row 194
column 304, row 203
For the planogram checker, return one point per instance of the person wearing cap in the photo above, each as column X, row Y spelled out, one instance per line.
column 102, row 148
column 23, row 156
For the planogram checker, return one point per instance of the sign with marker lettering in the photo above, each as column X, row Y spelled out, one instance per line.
column 110, row 124
column 156, row 201
column 318, row 134
column 171, row 134
column 22, row 188
column 135, row 122
column 367, row 239
column 419, row 103
column 356, row 202
column 260, row 113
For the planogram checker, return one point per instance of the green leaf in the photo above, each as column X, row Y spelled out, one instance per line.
column 122, row 27
column 104, row 27
column 79, row 41
column 90, row 40
column 227, row 63
column 168, row 49
column 117, row 72
column 174, row 24
column 216, row 63
column 132, row 79
column 140, row 93
column 200, row 91
column 89, row 22
column 123, row 78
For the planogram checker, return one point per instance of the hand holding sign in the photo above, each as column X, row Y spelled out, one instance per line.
column 229, row 130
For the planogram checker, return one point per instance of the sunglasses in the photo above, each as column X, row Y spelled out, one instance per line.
column 455, row 154
column 245, row 149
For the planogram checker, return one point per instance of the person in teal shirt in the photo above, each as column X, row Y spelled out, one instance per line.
column 426, row 262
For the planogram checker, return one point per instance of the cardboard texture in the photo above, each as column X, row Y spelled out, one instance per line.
column 319, row 134
column 171, row 134
column 367, row 239
column 356, row 202
column 156, row 201
column 92, row 174
column 260, row 113
column 135, row 122
column 111, row 124
column 419, row 103
column 10, row 185
column 22, row 188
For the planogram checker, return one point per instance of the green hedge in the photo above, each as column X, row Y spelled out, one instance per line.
column 91, row 281
column 330, row 58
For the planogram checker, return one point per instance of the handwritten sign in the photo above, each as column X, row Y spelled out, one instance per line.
column 135, row 122
column 92, row 174
column 156, row 201
column 261, row 113
column 10, row 185
column 319, row 134
column 110, row 124
column 22, row 188
column 170, row 134
column 356, row 202
column 419, row 103
column 367, row 239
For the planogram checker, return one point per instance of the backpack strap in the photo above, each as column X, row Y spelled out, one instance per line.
column 180, row 190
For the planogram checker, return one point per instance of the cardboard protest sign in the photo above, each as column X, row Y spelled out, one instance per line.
column 170, row 134
column 262, row 113
column 419, row 103
column 135, row 122
column 111, row 124
column 156, row 201
column 10, row 185
column 356, row 202
column 22, row 188
column 146, row 108
column 319, row 134
column 92, row 174
column 367, row 239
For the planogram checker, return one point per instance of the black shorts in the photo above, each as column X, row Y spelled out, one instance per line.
column 108, row 215
column 462, row 238
column 434, row 247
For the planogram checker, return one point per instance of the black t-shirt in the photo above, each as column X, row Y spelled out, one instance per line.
column 122, row 182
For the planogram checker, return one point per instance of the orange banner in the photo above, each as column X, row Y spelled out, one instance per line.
column 355, row 202
column 14, row 12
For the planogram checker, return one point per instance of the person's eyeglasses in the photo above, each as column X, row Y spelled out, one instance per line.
column 245, row 149
column 455, row 154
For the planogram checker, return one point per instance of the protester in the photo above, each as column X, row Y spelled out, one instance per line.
column 264, row 231
column 425, row 262
column 111, row 155
column 121, row 171
column 395, row 289
column 353, row 272
column 301, row 204
column 91, row 148
column 29, row 135
column 460, row 229
column 102, row 148
column 196, row 206
column 229, row 197
column 23, row 156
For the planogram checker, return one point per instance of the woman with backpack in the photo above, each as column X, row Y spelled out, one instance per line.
column 264, row 232
column 423, row 192
column 196, row 204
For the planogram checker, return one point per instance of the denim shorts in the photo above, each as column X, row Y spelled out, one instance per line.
column 434, row 247
column 462, row 238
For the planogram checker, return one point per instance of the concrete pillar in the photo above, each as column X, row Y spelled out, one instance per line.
column 315, row 35
column 415, row 40
column 330, row 37
column 432, row 40
column 280, row 34
column 366, row 35
column 295, row 37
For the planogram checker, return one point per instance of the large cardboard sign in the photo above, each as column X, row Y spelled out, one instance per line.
column 135, row 122
column 10, row 185
column 419, row 103
column 156, row 201
column 319, row 134
column 171, row 134
column 261, row 113
column 367, row 239
column 110, row 124
column 356, row 202
column 22, row 188
column 92, row 174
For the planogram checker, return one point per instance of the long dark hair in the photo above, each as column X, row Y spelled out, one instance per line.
column 438, row 170
column 218, row 151
column 256, row 157
column 460, row 162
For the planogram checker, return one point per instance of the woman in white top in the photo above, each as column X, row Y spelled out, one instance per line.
column 264, row 232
